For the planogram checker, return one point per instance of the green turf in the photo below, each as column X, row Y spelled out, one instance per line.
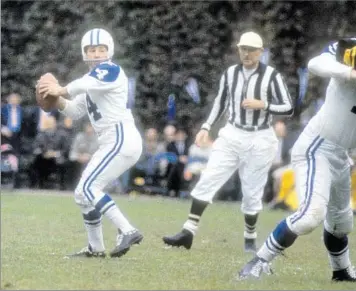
column 38, row 230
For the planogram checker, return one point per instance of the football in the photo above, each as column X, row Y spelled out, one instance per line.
column 48, row 103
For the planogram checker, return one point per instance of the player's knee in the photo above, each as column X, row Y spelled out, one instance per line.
column 310, row 221
column 88, row 190
column 79, row 197
column 341, row 226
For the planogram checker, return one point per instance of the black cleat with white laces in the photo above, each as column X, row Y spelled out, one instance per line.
column 87, row 252
column 125, row 241
column 183, row 238
column 348, row 274
column 254, row 269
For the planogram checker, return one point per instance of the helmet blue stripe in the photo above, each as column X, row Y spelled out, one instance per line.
column 91, row 37
column 97, row 37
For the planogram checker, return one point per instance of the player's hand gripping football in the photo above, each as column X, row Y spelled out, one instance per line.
column 48, row 85
column 202, row 138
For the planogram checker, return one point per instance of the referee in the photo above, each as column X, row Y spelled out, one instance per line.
column 252, row 92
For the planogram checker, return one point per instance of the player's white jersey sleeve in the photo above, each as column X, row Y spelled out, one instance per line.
column 325, row 65
column 75, row 108
column 336, row 119
column 106, row 95
column 101, row 78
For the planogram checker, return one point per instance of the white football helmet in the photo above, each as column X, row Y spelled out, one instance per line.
column 98, row 36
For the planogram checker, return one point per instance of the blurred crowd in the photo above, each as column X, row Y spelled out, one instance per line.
column 48, row 151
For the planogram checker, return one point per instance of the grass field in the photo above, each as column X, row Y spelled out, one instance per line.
column 37, row 230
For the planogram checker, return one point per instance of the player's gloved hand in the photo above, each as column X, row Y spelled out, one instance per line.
column 202, row 138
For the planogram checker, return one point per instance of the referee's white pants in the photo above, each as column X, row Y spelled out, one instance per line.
column 250, row 152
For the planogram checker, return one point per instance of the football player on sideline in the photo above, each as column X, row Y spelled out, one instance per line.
column 322, row 169
column 103, row 95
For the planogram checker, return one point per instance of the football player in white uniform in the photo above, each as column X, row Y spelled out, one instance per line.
column 103, row 95
column 322, row 169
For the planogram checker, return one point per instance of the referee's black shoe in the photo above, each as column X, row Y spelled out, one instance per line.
column 348, row 275
column 183, row 238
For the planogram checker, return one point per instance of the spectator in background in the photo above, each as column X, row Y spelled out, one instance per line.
column 48, row 150
column 83, row 147
column 38, row 120
column 147, row 171
column 11, row 122
column 175, row 172
column 150, row 144
column 65, row 130
column 169, row 133
column 197, row 159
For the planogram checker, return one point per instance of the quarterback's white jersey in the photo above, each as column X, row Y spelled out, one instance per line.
column 336, row 120
column 102, row 94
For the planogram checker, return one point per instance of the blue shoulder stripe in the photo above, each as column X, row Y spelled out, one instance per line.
column 331, row 49
column 106, row 72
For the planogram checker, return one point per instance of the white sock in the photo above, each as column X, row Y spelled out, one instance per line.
column 108, row 208
column 118, row 219
column 93, row 225
column 95, row 237
column 340, row 260
column 270, row 249
column 192, row 223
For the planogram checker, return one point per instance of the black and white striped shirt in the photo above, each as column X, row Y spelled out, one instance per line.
column 265, row 84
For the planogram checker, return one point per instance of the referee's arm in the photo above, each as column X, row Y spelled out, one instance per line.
column 281, row 103
column 220, row 103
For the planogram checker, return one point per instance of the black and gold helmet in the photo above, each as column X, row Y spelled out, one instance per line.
column 346, row 51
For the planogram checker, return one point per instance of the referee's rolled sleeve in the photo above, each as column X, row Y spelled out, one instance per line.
column 282, row 102
column 220, row 103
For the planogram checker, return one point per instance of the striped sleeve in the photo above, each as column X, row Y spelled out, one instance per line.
column 281, row 100
column 220, row 104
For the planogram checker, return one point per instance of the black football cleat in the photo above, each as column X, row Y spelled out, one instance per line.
column 87, row 252
column 250, row 245
column 125, row 241
column 183, row 238
column 254, row 269
column 348, row 274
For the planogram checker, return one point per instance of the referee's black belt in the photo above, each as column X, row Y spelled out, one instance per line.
column 250, row 127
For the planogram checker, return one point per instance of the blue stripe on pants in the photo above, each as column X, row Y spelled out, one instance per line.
column 310, row 154
column 106, row 160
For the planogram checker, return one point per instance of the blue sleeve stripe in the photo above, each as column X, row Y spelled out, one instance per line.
column 332, row 48
column 105, row 72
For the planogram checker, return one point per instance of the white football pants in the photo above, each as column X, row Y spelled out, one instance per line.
column 250, row 152
column 322, row 171
column 120, row 148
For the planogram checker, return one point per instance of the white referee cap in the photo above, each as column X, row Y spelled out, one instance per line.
column 251, row 39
